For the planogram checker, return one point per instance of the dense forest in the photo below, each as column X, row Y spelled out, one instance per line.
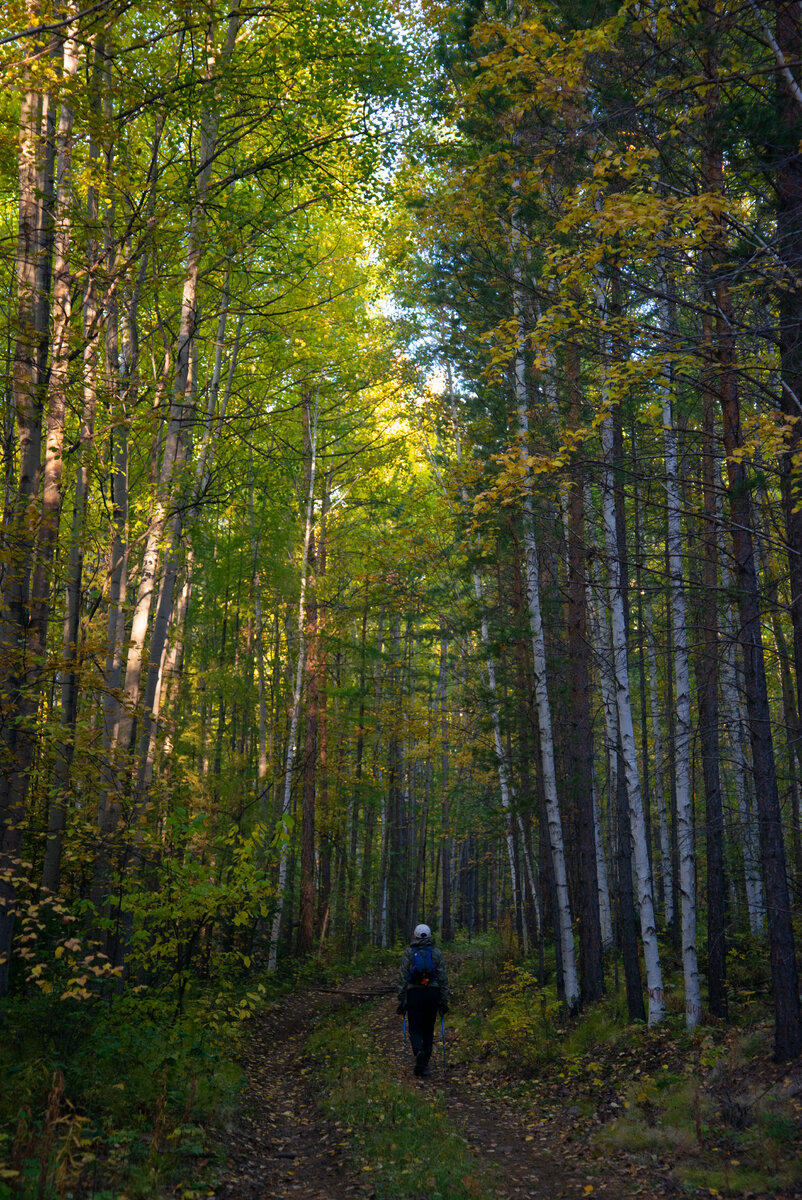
column 402, row 519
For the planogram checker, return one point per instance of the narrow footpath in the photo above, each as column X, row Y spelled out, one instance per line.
column 283, row 1145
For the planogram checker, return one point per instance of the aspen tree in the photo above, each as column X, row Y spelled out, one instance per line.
column 532, row 576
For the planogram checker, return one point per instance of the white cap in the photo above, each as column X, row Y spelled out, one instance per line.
column 422, row 931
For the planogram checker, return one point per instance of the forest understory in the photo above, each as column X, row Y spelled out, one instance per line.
column 489, row 1123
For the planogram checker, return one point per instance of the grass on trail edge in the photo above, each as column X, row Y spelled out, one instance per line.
column 393, row 1125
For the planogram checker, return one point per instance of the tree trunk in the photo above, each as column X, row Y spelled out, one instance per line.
column 654, row 979
column 532, row 576
column 17, row 704
column 283, row 832
column 707, row 673
column 579, row 721
column 682, row 743
column 54, row 444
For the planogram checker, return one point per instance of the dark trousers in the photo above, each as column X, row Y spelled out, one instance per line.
column 422, row 1005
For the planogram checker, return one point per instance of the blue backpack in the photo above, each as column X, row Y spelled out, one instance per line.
column 422, row 971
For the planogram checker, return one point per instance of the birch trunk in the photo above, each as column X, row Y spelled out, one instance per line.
column 563, row 914
column 54, row 443
column 682, row 683
column 446, row 927
column 580, row 731
column 306, row 916
column 600, row 635
column 654, row 979
column 181, row 414
column 666, row 873
column 283, row 831
column 122, row 358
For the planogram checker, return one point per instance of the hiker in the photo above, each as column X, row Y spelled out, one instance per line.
column 422, row 993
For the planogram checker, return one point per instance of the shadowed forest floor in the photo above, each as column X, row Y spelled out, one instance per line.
column 284, row 1145
column 332, row 1110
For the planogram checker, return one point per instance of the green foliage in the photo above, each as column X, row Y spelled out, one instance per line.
column 117, row 1097
column 522, row 1022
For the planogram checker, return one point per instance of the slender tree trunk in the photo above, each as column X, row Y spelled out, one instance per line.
column 590, row 939
column 666, row 873
column 306, row 917
column 446, row 928
column 654, row 979
column 54, row 445
column 311, row 418
column 532, row 576
column 618, row 805
column 789, row 242
column 707, row 689
column 737, row 726
column 181, row 414
column 682, row 744
column 326, row 840
column 17, row 704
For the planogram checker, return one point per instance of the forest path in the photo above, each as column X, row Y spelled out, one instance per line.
column 285, row 1146
column 535, row 1160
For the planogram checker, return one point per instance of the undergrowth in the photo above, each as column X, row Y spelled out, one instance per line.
column 707, row 1108
column 123, row 1095
column 400, row 1137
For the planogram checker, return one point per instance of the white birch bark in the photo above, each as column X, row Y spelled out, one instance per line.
column 682, row 684
column 54, row 441
column 542, row 704
column 640, row 854
column 659, row 763
column 275, row 931
column 605, row 912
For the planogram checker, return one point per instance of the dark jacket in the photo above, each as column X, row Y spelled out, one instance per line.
column 439, row 966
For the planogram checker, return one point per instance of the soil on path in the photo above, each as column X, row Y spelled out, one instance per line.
column 284, row 1146
column 535, row 1160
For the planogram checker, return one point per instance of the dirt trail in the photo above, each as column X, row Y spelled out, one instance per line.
column 529, row 1154
column 283, row 1146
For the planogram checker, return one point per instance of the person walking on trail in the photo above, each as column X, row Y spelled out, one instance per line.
column 422, row 993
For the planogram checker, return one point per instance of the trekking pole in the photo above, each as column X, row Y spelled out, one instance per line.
column 404, row 1034
column 443, row 1031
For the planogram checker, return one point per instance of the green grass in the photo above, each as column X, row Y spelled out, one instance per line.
column 400, row 1135
column 719, row 1147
